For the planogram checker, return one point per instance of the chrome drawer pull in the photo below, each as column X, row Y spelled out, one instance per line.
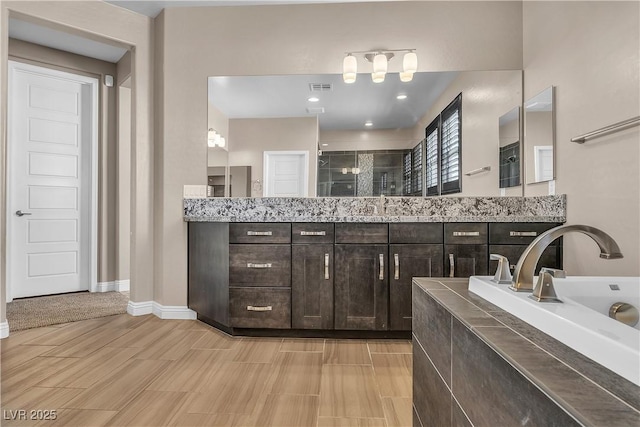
column 259, row 308
column 259, row 233
column 313, row 233
column 465, row 233
column 381, row 276
column 254, row 265
column 396, row 261
column 326, row 266
column 452, row 266
column 523, row 233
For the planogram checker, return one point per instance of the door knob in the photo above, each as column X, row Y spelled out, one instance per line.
column 20, row 213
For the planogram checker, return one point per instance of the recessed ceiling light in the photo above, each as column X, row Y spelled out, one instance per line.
column 401, row 97
column 325, row 145
column 313, row 99
column 368, row 124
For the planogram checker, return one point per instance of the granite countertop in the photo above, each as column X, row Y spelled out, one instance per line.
column 369, row 209
column 585, row 389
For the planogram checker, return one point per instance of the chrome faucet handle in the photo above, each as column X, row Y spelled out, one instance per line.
column 503, row 274
column 544, row 290
column 554, row 272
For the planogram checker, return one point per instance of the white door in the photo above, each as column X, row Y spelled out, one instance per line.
column 543, row 162
column 52, row 133
column 286, row 173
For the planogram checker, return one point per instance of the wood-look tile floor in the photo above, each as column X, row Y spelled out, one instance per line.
column 143, row 371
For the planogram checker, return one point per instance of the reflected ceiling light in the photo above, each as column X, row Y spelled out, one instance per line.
column 401, row 96
column 313, row 99
column 325, row 145
column 368, row 124
column 380, row 60
column 214, row 139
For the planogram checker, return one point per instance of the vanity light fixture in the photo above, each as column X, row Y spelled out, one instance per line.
column 380, row 60
column 214, row 139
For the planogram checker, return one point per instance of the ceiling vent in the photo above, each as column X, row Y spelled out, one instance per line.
column 315, row 110
column 320, row 87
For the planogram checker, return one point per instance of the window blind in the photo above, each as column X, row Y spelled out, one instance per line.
column 432, row 161
column 450, row 148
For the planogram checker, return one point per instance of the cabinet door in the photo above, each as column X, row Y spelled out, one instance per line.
column 466, row 260
column 312, row 286
column 406, row 262
column 361, row 287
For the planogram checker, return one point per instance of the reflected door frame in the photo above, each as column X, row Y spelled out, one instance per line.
column 268, row 171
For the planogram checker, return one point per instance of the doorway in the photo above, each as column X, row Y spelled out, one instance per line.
column 52, row 181
column 286, row 173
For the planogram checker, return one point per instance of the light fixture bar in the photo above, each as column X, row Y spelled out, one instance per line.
column 380, row 59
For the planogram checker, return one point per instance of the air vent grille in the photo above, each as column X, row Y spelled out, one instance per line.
column 320, row 87
column 315, row 110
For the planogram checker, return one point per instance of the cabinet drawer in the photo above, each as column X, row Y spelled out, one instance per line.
column 260, row 308
column 465, row 233
column 259, row 265
column 312, row 232
column 362, row 233
column 427, row 232
column 517, row 233
column 260, row 232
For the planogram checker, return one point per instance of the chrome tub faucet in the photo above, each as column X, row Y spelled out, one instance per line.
column 525, row 268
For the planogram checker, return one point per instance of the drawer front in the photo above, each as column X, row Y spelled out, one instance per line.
column 260, row 308
column 259, row 265
column 260, row 232
column 517, row 233
column 426, row 232
column 362, row 233
column 313, row 232
column 465, row 233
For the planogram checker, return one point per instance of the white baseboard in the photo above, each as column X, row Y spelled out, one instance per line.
column 105, row 286
column 122, row 285
column 115, row 285
column 173, row 312
column 177, row 312
column 4, row 329
column 140, row 308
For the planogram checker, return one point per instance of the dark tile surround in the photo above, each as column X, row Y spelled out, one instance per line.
column 475, row 364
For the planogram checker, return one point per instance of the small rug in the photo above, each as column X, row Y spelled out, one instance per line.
column 36, row 312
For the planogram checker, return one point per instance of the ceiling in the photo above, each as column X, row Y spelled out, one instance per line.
column 152, row 8
column 346, row 106
column 60, row 40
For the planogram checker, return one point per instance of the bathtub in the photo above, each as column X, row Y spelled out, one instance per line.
column 581, row 321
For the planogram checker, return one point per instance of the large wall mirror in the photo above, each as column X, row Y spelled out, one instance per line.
column 539, row 137
column 357, row 132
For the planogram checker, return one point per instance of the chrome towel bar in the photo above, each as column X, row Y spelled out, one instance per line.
column 635, row 121
column 479, row 170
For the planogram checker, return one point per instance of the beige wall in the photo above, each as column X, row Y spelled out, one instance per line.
column 51, row 58
column 590, row 52
column 120, row 27
column 296, row 39
column 486, row 95
column 382, row 139
column 250, row 138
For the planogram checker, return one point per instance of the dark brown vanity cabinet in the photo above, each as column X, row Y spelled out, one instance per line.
column 260, row 275
column 415, row 250
column 511, row 239
column 362, row 282
column 465, row 249
column 312, row 276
